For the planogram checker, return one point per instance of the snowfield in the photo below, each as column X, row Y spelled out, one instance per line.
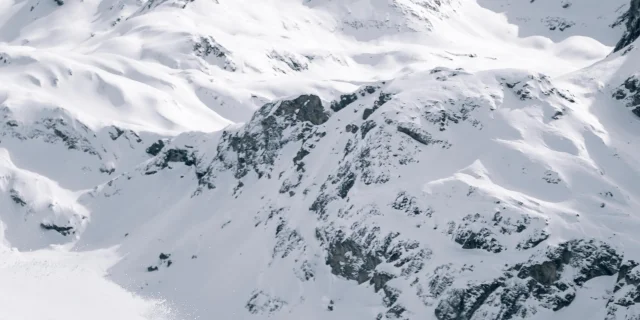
column 316, row 159
column 56, row 284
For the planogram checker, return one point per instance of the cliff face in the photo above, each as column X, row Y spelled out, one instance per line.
column 632, row 24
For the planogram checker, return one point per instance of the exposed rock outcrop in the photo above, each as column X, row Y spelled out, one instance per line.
column 632, row 18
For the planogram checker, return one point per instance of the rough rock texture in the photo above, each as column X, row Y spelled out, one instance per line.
column 629, row 92
column 632, row 18
column 626, row 293
column 547, row 280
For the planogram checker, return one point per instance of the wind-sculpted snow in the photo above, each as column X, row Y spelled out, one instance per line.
column 315, row 159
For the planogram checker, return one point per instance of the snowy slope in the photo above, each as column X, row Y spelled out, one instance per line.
column 57, row 284
column 319, row 159
column 560, row 19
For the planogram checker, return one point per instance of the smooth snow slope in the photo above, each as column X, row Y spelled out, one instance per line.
column 56, row 284
column 167, row 142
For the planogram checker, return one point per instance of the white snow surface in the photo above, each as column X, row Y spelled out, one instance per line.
column 57, row 284
column 150, row 168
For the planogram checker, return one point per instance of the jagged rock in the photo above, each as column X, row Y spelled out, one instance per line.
column 155, row 148
column 419, row 135
column 178, row 155
column 590, row 259
column 344, row 101
column 65, row 231
column 210, row 50
column 437, row 284
column 330, row 306
column 626, row 293
column 408, row 204
column 348, row 99
column 395, row 312
column 380, row 279
column 293, row 61
column 352, row 128
column 346, row 185
column 288, row 240
column 382, row 99
column 304, row 108
column 535, row 239
column 15, row 196
column 256, row 148
column 453, row 112
column 366, row 127
column 263, row 303
column 483, row 239
column 629, row 91
column 350, row 260
column 541, row 282
column 115, row 135
column 557, row 23
column 632, row 18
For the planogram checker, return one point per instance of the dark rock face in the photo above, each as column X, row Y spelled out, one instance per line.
column 15, row 196
column 358, row 256
column 292, row 61
column 178, row 155
column 462, row 304
column 349, row 260
column 346, row 185
column 382, row 99
column 632, row 18
column 348, row 99
column 117, row 134
column 63, row 130
column 65, row 231
column 351, row 128
column 167, row 159
column 344, row 101
column 366, row 127
column 626, row 293
column 304, row 108
column 257, row 146
column 535, row 239
column 416, row 134
column 420, row 135
column 590, row 259
column 540, row 282
column 408, row 204
column 483, row 239
column 379, row 280
column 207, row 48
column 453, row 114
column 629, row 92
column 155, row 148
column 263, row 303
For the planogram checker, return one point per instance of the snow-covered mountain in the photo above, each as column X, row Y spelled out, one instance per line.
column 287, row 159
